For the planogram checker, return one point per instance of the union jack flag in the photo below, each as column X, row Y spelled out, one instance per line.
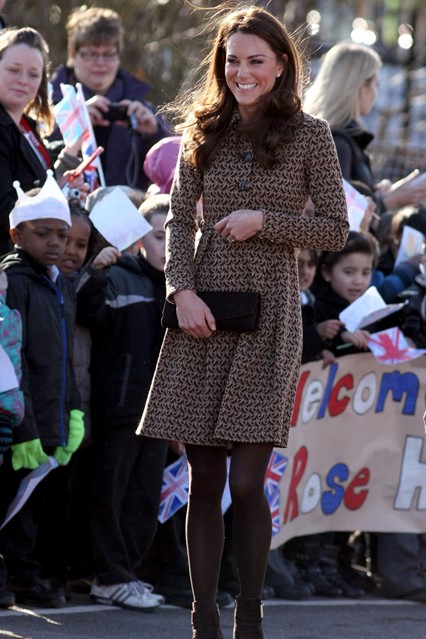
column 391, row 347
column 74, row 123
column 276, row 467
column 275, row 514
column 89, row 145
column 174, row 491
column 70, row 116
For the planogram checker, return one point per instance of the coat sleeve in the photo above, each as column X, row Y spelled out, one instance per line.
column 17, row 299
column 344, row 153
column 7, row 192
column 399, row 279
column 181, row 228
column 329, row 227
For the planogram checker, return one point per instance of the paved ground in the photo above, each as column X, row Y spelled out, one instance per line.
column 369, row 618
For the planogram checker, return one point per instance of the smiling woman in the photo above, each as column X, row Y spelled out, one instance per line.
column 23, row 90
column 95, row 42
column 251, row 70
column 255, row 159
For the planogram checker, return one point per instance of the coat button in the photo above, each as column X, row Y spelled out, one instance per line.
column 244, row 185
column 247, row 156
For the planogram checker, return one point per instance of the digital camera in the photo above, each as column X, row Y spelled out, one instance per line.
column 116, row 112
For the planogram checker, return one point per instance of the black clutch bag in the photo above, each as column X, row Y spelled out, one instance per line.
column 237, row 311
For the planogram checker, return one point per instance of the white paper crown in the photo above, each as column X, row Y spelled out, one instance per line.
column 49, row 203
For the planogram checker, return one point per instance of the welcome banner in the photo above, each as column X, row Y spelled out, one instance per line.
column 356, row 457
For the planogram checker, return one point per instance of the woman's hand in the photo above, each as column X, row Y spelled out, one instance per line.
column 97, row 107
column 194, row 316
column 240, row 225
column 145, row 118
column 409, row 190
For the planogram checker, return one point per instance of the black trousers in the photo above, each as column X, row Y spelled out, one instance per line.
column 128, row 472
column 18, row 538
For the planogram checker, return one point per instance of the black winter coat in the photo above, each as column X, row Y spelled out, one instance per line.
column 17, row 162
column 313, row 343
column 48, row 315
column 351, row 150
column 122, row 305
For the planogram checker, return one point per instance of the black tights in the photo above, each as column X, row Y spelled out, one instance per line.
column 251, row 516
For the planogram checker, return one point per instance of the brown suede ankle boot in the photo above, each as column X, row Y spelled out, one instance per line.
column 248, row 618
column 205, row 620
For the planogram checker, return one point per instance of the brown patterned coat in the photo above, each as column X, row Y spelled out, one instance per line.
column 240, row 387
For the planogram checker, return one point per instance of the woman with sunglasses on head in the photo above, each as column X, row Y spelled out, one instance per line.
column 95, row 42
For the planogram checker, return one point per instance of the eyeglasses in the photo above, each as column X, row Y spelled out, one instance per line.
column 91, row 56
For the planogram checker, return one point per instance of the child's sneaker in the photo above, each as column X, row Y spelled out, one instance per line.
column 145, row 588
column 125, row 595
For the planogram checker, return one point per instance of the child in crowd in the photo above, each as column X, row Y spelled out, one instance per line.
column 11, row 397
column 53, row 422
column 79, row 248
column 70, row 521
column 392, row 280
column 413, row 217
column 123, row 307
column 160, row 164
column 315, row 335
column 400, row 557
column 281, row 573
column 341, row 278
column 306, row 550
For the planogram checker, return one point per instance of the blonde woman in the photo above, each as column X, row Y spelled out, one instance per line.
column 344, row 91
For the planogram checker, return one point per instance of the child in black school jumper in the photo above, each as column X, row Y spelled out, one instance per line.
column 53, row 424
column 123, row 306
column 341, row 278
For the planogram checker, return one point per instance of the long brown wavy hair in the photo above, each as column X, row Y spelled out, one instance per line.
column 40, row 106
column 209, row 110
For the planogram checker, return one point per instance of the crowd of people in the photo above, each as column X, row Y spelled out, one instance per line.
column 246, row 197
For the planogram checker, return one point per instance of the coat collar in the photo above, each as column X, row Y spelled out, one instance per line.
column 362, row 136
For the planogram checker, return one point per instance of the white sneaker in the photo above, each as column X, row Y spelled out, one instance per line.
column 144, row 588
column 125, row 595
